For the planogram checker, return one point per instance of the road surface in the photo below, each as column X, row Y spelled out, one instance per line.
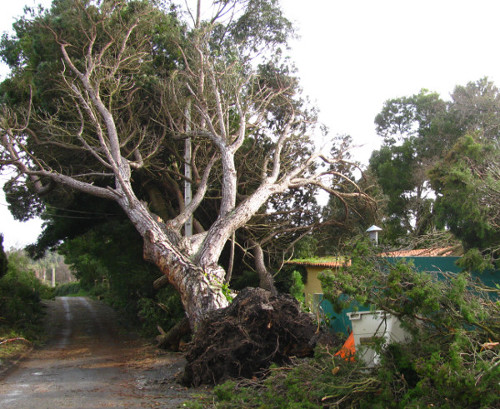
column 91, row 362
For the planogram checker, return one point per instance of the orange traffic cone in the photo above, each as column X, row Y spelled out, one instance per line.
column 348, row 350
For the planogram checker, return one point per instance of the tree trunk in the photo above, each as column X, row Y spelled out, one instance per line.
column 200, row 288
column 171, row 339
column 160, row 282
column 265, row 278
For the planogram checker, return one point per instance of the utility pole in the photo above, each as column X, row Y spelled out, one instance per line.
column 188, row 194
column 53, row 276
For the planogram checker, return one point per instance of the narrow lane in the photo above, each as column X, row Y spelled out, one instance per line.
column 90, row 362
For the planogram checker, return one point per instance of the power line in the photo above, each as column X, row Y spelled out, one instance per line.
column 91, row 214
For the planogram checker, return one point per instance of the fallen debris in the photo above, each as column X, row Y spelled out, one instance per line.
column 242, row 340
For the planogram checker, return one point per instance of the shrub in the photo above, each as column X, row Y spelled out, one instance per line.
column 165, row 310
column 68, row 289
column 20, row 296
column 297, row 288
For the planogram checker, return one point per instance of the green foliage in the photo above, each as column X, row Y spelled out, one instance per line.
column 262, row 25
column 415, row 132
column 3, row 259
column 395, row 170
column 109, row 264
column 34, row 57
column 165, row 310
column 446, row 301
column 297, row 288
column 427, row 147
column 313, row 383
column 110, row 255
column 474, row 260
column 451, row 318
column 451, row 361
column 227, row 292
column 326, row 381
column 306, row 247
column 467, row 181
column 20, row 299
column 68, row 289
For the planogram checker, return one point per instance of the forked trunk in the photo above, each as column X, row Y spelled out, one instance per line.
column 200, row 289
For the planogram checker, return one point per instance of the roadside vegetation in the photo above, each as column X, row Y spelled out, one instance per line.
column 21, row 310
column 73, row 289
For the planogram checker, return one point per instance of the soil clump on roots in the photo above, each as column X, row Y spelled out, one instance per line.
column 242, row 340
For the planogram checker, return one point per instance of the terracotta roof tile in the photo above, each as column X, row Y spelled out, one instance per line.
column 433, row 252
column 338, row 262
column 325, row 262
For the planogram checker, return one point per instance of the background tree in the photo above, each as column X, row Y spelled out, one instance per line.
column 419, row 132
column 344, row 217
column 3, row 258
column 407, row 125
column 467, row 182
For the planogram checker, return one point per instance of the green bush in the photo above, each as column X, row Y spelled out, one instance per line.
column 165, row 310
column 68, row 289
column 3, row 259
column 452, row 319
column 297, row 288
column 20, row 299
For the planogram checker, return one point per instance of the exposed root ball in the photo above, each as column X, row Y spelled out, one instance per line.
column 246, row 337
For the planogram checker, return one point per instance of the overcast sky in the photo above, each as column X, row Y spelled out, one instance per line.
column 353, row 55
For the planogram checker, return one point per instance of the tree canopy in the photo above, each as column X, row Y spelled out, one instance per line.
column 437, row 167
column 103, row 96
column 467, row 183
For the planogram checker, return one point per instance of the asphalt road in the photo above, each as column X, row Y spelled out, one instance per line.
column 90, row 362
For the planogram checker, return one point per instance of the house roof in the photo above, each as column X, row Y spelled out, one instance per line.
column 341, row 261
column 432, row 252
column 322, row 262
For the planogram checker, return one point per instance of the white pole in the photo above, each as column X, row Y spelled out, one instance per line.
column 188, row 195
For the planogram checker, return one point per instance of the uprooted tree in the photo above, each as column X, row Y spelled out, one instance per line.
column 104, row 95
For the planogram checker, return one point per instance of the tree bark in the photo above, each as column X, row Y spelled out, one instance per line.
column 171, row 339
column 266, row 280
column 200, row 288
column 160, row 282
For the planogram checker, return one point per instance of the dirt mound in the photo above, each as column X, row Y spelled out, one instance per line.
column 243, row 339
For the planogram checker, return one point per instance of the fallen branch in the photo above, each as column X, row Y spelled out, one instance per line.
column 171, row 339
column 6, row 341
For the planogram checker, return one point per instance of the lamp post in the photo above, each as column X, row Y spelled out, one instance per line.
column 373, row 233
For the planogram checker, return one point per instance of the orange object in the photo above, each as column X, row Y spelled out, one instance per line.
column 348, row 350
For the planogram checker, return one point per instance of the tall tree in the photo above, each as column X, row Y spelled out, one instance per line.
column 111, row 115
column 419, row 132
column 467, row 183
column 407, row 125
column 3, row 259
